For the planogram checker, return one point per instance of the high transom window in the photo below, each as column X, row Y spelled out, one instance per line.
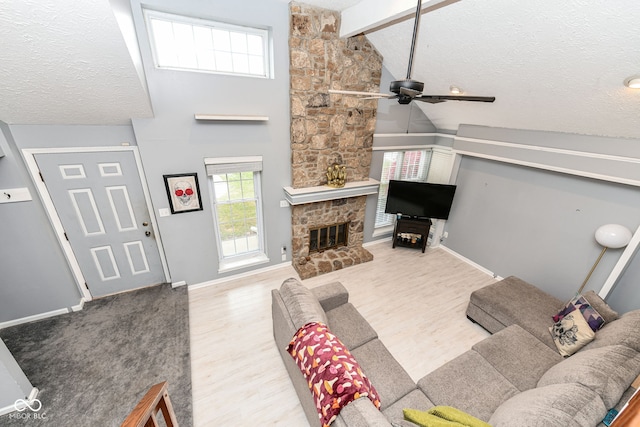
column 185, row 43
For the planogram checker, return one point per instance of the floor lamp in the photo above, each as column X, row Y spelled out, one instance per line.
column 608, row 236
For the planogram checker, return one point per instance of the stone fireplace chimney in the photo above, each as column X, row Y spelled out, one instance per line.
column 327, row 130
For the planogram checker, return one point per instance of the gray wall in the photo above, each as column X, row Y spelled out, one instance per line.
column 173, row 142
column 35, row 276
column 539, row 225
column 395, row 118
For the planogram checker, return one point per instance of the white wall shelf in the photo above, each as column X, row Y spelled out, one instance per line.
column 323, row 193
column 230, row 118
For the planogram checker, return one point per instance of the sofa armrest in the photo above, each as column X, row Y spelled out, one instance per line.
column 361, row 413
column 331, row 295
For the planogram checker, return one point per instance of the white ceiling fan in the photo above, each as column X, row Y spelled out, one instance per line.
column 408, row 90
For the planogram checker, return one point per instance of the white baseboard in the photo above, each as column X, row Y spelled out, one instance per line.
column 238, row 276
column 9, row 409
column 471, row 263
column 178, row 284
column 34, row 317
column 80, row 306
column 375, row 242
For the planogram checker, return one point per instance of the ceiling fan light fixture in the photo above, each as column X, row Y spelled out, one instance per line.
column 632, row 82
column 455, row 90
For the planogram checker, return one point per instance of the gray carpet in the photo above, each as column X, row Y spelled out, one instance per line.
column 93, row 366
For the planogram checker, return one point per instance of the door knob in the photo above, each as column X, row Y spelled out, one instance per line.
column 144, row 224
column 147, row 233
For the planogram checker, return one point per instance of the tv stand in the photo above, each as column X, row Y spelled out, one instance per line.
column 415, row 226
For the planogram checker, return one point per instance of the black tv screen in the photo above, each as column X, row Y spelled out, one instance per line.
column 420, row 199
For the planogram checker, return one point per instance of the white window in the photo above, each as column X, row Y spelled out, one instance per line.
column 399, row 165
column 185, row 43
column 237, row 209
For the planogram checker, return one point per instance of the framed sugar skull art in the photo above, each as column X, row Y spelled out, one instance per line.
column 183, row 192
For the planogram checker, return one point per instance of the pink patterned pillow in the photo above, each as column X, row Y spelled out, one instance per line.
column 333, row 375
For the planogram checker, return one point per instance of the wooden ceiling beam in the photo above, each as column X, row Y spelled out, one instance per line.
column 371, row 15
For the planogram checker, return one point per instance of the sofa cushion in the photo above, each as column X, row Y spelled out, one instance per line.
column 625, row 331
column 514, row 301
column 416, row 399
column 571, row 333
column 601, row 306
column 443, row 416
column 608, row 371
column 468, row 383
column 333, row 374
column 346, row 322
column 391, row 380
column 301, row 303
column 590, row 314
column 554, row 405
column 518, row 356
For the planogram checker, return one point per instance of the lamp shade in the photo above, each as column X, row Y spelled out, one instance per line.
column 613, row 236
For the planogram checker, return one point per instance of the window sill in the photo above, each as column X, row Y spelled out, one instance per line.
column 237, row 264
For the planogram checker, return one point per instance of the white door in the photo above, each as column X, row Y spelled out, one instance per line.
column 100, row 201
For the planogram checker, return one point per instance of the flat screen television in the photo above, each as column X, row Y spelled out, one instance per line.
column 420, row 199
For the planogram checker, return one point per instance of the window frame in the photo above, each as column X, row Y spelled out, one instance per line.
column 264, row 32
column 233, row 165
column 426, row 159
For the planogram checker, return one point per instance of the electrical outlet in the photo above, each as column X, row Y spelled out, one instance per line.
column 445, row 234
column 284, row 257
column 284, row 204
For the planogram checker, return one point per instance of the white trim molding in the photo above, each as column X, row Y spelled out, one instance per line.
column 553, row 159
column 618, row 269
column 34, row 317
column 323, row 193
column 238, row 276
column 471, row 263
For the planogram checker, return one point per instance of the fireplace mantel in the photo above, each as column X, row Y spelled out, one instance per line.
column 323, row 193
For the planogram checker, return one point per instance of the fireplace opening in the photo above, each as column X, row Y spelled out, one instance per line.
column 328, row 237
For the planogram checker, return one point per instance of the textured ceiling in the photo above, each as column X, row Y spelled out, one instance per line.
column 66, row 62
column 552, row 65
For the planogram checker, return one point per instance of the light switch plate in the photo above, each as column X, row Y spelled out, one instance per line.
column 10, row 195
column 164, row 212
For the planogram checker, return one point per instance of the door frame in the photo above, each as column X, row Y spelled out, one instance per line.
column 30, row 159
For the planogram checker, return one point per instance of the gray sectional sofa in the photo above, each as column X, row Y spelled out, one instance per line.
column 515, row 377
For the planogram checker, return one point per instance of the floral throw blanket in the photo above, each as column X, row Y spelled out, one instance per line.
column 333, row 375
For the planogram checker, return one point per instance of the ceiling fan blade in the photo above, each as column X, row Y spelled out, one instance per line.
column 372, row 95
column 409, row 92
column 434, row 99
column 391, row 96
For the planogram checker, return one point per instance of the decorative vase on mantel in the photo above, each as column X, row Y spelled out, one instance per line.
column 336, row 176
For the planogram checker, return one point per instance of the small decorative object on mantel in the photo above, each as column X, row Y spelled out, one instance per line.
column 336, row 176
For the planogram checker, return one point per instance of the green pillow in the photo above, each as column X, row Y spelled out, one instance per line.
column 442, row 416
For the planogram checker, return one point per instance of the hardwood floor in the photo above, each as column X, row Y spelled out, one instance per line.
column 416, row 302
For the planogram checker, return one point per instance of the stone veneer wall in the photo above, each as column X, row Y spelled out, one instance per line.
column 328, row 129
